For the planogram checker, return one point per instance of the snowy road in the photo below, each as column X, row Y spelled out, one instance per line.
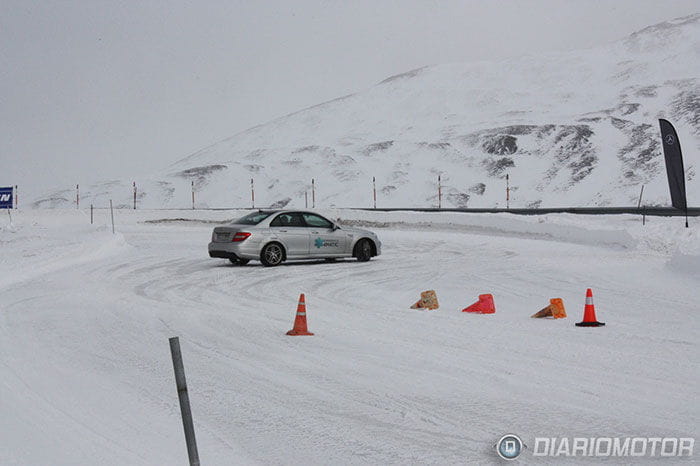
column 86, row 377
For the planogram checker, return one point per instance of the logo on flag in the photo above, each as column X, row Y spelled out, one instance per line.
column 6, row 198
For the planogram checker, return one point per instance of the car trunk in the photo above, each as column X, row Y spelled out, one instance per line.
column 225, row 234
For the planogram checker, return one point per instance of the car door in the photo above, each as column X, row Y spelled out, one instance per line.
column 323, row 238
column 290, row 229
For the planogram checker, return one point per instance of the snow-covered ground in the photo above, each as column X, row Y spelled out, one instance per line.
column 85, row 317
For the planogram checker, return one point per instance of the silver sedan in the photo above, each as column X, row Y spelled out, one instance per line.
column 273, row 236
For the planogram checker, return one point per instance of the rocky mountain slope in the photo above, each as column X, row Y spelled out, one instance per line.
column 577, row 129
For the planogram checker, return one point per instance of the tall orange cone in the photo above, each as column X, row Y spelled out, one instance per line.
column 300, row 320
column 589, row 319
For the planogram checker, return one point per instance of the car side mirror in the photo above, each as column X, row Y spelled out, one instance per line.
column 335, row 227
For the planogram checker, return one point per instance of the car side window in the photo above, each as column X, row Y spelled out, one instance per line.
column 287, row 220
column 316, row 221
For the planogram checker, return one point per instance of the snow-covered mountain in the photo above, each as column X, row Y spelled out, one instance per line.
column 577, row 128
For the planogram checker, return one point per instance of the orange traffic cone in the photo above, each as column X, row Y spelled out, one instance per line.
column 589, row 319
column 300, row 320
column 484, row 305
column 555, row 309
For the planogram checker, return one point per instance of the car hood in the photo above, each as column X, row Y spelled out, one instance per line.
column 358, row 231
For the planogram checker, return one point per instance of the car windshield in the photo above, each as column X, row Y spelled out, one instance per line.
column 252, row 218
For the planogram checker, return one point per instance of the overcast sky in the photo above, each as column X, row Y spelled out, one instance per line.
column 113, row 88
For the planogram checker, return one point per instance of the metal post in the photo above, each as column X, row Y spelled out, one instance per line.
column 192, row 195
column 644, row 216
column 252, row 194
column 111, row 211
column 640, row 197
column 181, row 384
column 91, row 214
column 16, row 198
column 306, row 199
column 439, row 192
column 9, row 213
column 313, row 194
column 374, row 192
column 77, row 196
column 134, row 195
column 507, row 191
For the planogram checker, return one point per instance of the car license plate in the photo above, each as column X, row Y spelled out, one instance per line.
column 222, row 236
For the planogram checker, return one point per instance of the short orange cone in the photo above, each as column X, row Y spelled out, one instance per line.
column 428, row 300
column 589, row 319
column 555, row 309
column 300, row 320
column 484, row 305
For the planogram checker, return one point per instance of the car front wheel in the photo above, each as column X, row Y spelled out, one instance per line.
column 272, row 255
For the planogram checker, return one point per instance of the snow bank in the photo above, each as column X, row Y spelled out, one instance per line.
column 43, row 242
column 548, row 227
column 685, row 255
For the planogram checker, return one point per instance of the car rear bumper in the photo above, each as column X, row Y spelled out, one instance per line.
column 234, row 250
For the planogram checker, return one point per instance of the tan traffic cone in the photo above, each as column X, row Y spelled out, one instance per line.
column 300, row 320
column 428, row 300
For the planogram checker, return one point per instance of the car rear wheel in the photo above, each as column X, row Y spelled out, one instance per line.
column 237, row 261
column 363, row 250
column 272, row 255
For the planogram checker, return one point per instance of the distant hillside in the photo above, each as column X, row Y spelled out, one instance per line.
column 577, row 128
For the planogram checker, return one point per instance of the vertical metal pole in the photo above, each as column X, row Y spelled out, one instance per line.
column 181, row 384
column 640, row 197
column 16, row 198
column 91, row 214
column 192, row 195
column 313, row 194
column 686, row 202
column 134, row 195
column 644, row 216
column 9, row 213
column 252, row 193
column 77, row 196
column 111, row 211
column 507, row 191
column 374, row 191
column 439, row 192
column 306, row 199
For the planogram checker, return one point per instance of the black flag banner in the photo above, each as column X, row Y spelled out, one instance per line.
column 674, row 166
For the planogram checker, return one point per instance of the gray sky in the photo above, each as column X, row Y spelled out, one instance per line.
column 93, row 89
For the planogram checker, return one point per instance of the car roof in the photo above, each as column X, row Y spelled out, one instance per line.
column 280, row 211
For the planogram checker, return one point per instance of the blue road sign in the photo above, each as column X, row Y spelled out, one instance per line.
column 6, row 198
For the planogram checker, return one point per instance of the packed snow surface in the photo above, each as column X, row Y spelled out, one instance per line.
column 85, row 317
